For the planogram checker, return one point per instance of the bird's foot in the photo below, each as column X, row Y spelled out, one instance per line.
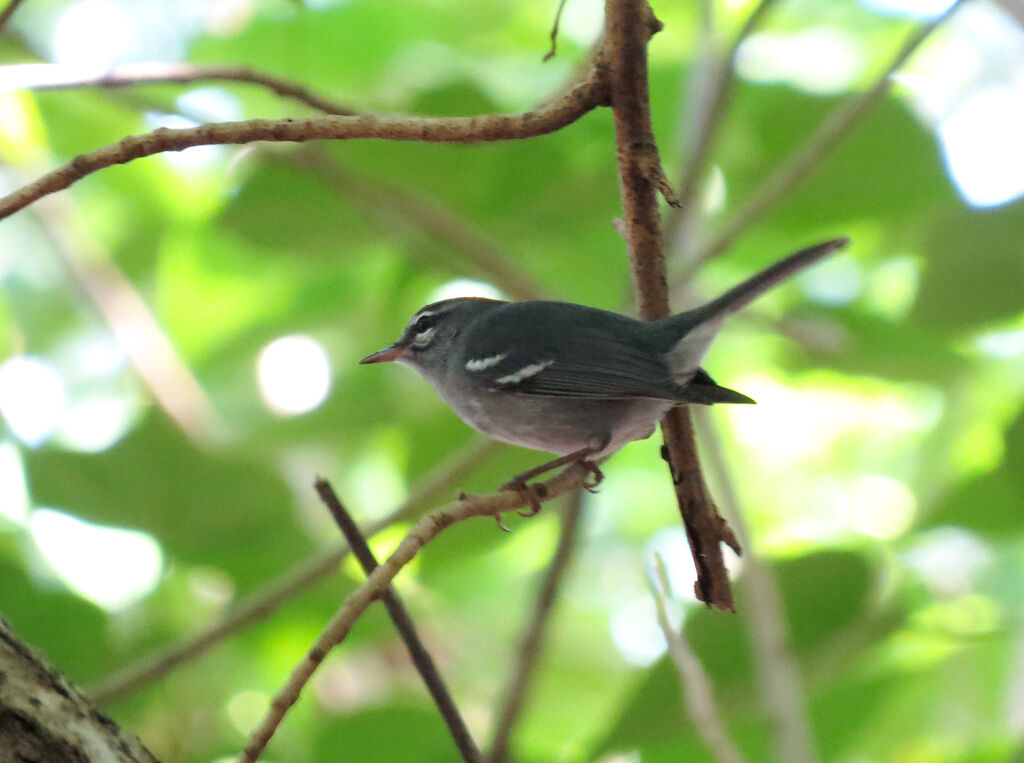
column 596, row 476
column 530, row 493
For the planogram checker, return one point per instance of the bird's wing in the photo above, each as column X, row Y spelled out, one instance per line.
column 566, row 351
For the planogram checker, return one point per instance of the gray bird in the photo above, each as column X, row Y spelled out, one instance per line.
column 568, row 379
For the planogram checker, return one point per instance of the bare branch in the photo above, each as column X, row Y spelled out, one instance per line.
column 377, row 582
column 64, row 77
column 264, row 602
column 698, row 696
column 629, row 25
column 525, row 666
column 809, row 156
column 782, row 692
column 403, row 624
column 547, row 118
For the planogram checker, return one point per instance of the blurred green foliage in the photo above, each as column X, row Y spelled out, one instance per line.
column 881, row 476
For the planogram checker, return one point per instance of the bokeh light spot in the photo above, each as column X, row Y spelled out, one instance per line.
column 294, row 374
column 32, row 398
column 111, row 566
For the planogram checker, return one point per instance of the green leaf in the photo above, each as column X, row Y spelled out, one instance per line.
column 974, row 268
column 203, row 507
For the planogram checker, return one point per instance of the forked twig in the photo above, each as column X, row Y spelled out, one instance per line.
column 428, row 528
column 403, row 624
column 265, row 601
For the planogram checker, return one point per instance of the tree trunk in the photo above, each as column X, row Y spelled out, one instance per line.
column 45, row 719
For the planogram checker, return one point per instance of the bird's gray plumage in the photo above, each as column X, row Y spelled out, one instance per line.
column 562, row 377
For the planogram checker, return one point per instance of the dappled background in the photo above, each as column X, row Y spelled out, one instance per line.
column 179, row 338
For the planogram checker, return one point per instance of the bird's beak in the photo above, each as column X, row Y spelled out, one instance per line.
column 394, row 352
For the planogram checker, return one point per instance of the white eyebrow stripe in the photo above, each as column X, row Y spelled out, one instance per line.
column 421, row 314
column 524, row 373
column 480, row 364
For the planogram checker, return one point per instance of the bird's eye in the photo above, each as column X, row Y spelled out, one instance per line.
column 423, row 323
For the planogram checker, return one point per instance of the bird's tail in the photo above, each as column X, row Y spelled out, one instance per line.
column 699, row 327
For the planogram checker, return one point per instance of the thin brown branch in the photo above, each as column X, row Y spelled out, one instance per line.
column 403, row 624
column 532, row 642
column 554, row 32
column 782, row 692
column 264, row 602
column 629, row 24
column 8, row 11
column 395, row 204
column 429, row 527
column 709, row 104
column 64, row 77
column 547, row 118
column 698, row 696
column 812, row 152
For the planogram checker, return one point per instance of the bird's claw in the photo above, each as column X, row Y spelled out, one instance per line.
column 530, row 493
column 596, row 476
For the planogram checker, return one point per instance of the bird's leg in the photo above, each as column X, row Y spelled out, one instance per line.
column 533, row 493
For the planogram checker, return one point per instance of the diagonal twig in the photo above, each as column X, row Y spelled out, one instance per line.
column 810, row 154
column 629, row 24
column 271, row 597
column 698, row 696
column 428, row 528
column 525, row 665
column 403, row 624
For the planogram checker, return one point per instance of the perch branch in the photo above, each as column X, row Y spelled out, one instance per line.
column 403, row 624
column 698, row 695
column 809, row 156
column 533, row 637
column 264, row 602
column 628, row 28
column 782, row 691
column 547, row 118
column 64, row 77
column 429, row 527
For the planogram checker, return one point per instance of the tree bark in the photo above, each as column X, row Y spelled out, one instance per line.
column 45, row 719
